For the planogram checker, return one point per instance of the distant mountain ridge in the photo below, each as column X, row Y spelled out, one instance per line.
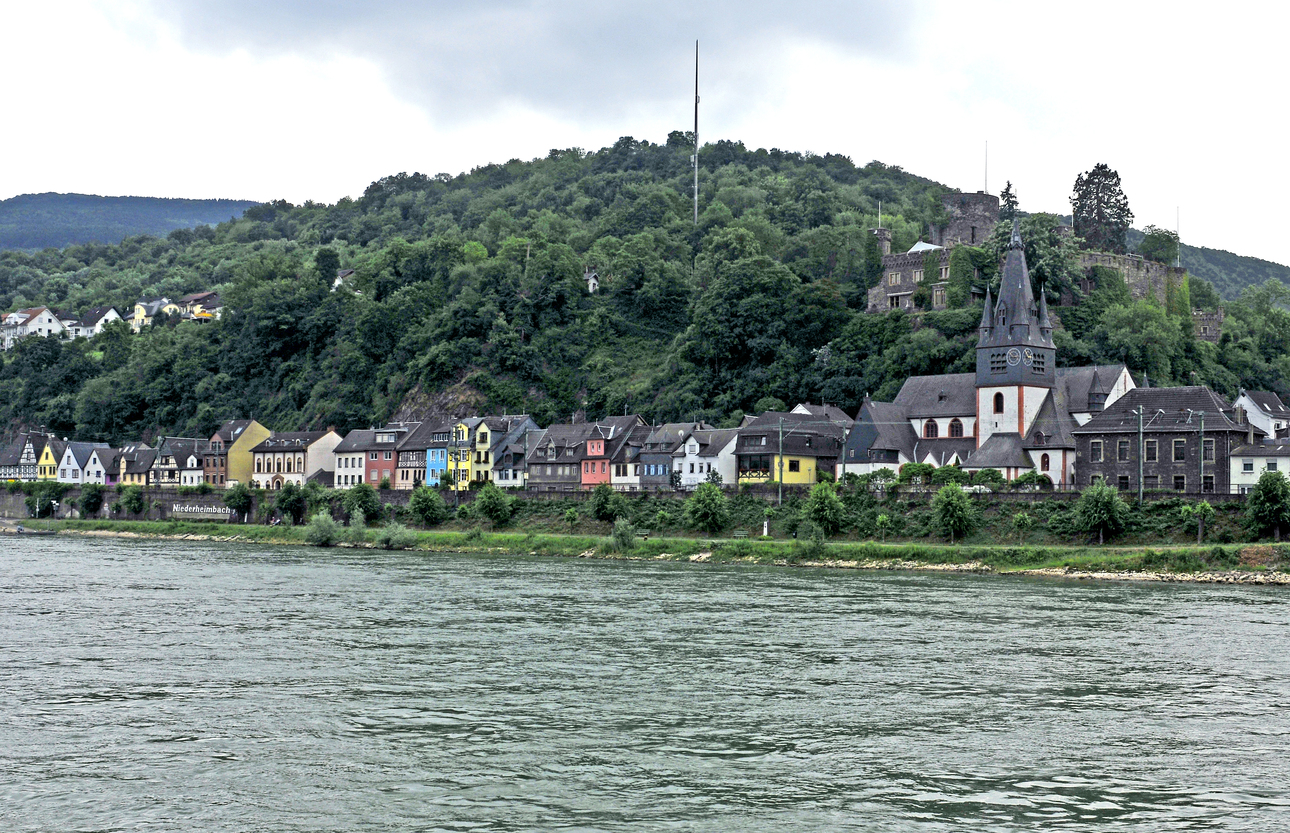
column 39, row 221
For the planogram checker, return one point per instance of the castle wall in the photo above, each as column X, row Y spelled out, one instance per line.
column 1145, row 278
column 972, row 219
column 1207, row 325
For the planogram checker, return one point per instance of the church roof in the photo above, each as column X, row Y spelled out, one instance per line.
column 944, row 395
column 1017, row 319
column 1000, row 451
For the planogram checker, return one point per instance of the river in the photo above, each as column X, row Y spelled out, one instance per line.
column 157, row 685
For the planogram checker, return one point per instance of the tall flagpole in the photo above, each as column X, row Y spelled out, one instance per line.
column 695, row 158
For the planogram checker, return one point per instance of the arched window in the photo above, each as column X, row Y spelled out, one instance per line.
column 288, row 465
column 1043, row 463
column 300, row 463
column 930, row 431
column 956, row 427
column 998, row 403
column 259, row 465
column 279, row 465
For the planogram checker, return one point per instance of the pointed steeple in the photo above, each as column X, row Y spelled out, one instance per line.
column 1017, row 318
column 1045, row 323
column 987, row 322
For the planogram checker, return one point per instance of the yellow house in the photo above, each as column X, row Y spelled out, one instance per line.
column 230, row 460
column 47, row 465
column 788, row 448
column 461, row 453
column 147, row 309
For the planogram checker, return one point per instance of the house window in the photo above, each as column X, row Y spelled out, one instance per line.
column 1150, row 451
column 998, row 403
column 938, row 296
column 1095, row 451
column 945, row 273
column 1207, row 451
column 930, row 429
column 1122, row 451
column 918, row 276
column 893, row 279
column 1180, row 482
column 1180, row 451
column 956, row 427
column 1122, row 483
column 692, row 468
column 795, row 465
column 1247, row 466
column 1044, row 462
column 1207, row 483
column 389, row 455
column 373, row 455
column 1272, row 465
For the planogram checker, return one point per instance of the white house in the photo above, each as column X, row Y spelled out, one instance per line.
column 103, row 466
column 1264, row 409
column 36, row 321
column 703, row 452
column 74, row 467
column 91, row 323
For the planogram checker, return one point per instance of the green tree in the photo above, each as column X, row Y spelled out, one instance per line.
column 606, row 504
column 238, row 497
column 427, row 506
column 1101, row 211
column 1101, row 509
column 91, row 499
column 1268, row 507
column 883, row 525
column 953, row 511
column 707, row 509
column 291, row 502
column 1202, row 514
column 493, row 504
column 132, row 499
column 571, row 518
column 824, row 508
column 1007, row 204
column 1160, row 245
column 361, row 501
column 916, row 473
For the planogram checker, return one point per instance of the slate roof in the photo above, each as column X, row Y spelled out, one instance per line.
column 326, row 479
column 1000, row 451
column 945, row 395
column 943, row 450
column 804, row 434
column 81, row 452
column 881, row 426
column 360, row 439
column 1079, row 382
column 832, row 412
column 1267, row 448
column 664, row 439
column 11, row 455
column 231, row 430
column 140, row 460
column 1166, row 409
column 290, row 440
column 1268, row 402
column 420, row 438
column 712, row 443
column 91, row 319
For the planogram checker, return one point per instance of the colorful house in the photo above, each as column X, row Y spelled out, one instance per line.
column 146, row 309
column 705, row 453
column 784, row 447
column 74, row 467
column 293, row 457
column 50, row 456
column 229, row 460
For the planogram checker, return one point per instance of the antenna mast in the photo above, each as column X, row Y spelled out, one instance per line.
column 1178, row 234
column 695, row 158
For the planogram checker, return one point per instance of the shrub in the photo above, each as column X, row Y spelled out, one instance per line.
column 362, row 501
column 322, row 531
column 949, row 474
column 395, row 536
column 663, row 520
column 916, row 472
column 384, row 485
column 357, row 533
column 953, row 511
column 291, row 502
column 988, row 477
column 623, row 537
column 571, row 518
column 883, row 525
column 493, row 504
column 1022, row 522
column 707, row 509
column 427, row 506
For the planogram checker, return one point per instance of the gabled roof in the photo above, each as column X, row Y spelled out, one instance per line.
column 1053, row 424
column 945, row 451
column 1266, row 448
column 1165, row 409
column 1000, row 451
column 663, row 439
column 91, row 318
column 1079, row 382
column 420, row 437
column 712, row 443
column 1268, row 402
column 360, row 439
column 831, row 412
column 140, row 460
column 881, row 426
column 231, row 430
column 11, row 455
column 81, row 452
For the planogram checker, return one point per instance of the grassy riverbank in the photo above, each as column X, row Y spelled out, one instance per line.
column 1263, row 563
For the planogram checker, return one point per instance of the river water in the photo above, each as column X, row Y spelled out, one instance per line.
column 174, row 686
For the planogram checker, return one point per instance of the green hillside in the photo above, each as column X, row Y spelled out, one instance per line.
column 468, row 293
column 37, row 221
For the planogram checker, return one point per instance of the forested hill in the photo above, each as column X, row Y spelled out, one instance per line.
column 37, row 221
column 468, row 295
column 1230, row 274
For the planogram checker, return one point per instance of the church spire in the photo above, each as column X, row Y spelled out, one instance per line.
column 987, row 322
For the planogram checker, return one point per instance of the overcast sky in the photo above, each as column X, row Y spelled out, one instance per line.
column 267, row 99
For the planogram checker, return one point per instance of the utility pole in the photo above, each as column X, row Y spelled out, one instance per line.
column 695, row 159
column 1142, row 448
column 1200, row 487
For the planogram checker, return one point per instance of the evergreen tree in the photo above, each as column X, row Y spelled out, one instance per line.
column 1007, row 204
column 1101, row 211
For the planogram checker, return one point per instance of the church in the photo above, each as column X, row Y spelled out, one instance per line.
column 1016, row 413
